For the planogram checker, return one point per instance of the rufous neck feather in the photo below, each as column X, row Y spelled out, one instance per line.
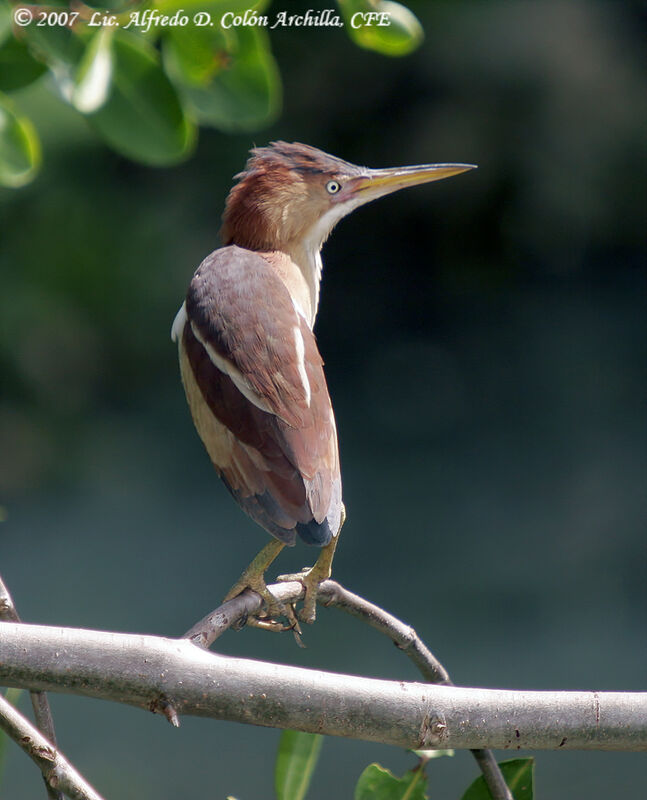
column 278, row 218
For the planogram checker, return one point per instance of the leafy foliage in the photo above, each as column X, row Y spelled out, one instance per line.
column 227, row 78
column 143, row 117
column 298, row 754
column 146, row 74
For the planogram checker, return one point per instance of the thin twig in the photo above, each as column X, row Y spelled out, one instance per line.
column 230, row 614
column 57, row 770
column 403, row 636
column 39, row 701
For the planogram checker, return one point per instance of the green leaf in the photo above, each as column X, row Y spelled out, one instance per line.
column 378, row 783
column 58, row 48
column 228, row 77
column 53, row 44
column 93, row 77
column 17, row 67
column 5, row 20
column 518, row 774
column 297, row 757
column 193, row 56
column 143, row 117
column 396, row 33
column 19, row 146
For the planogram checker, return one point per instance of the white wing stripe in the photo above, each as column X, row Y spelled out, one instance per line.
column 178, row 324
column 242, row 384
column 301, row 364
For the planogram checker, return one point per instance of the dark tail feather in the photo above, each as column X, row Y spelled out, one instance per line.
column 313, row 532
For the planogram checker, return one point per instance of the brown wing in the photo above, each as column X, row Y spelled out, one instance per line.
column 256, row 388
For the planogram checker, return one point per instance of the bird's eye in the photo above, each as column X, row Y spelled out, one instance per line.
column 332, row 187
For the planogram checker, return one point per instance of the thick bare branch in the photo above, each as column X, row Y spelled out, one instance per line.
column 149, row 671
column 58, row 773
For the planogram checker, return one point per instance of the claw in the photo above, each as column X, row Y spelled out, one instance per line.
column 310, row 579
column 272, row 608
column 272, row 625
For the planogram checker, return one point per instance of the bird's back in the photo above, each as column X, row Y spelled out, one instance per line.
column 257, row 392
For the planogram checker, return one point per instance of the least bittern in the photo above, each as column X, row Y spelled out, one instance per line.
column 251, row 369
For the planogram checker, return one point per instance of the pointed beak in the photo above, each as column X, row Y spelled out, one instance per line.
column 379, row 182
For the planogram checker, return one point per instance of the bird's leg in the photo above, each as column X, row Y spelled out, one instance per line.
column 310, row 578
column 317, row 574
column 253, row 578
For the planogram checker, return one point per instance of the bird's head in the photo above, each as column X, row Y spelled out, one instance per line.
column 292, row 194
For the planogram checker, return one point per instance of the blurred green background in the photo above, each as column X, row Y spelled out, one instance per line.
column 485, row 349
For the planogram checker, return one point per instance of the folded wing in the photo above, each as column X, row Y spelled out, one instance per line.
column 257, row 392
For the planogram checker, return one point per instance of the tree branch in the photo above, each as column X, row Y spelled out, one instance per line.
column 332, row 594
column 149, row 671
column 407, row 640
column 57, row 771
column 39, row 701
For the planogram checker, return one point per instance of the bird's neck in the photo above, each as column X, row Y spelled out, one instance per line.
column 305, row 251
column 308, row 261
column 269, row 234
column 300, row 272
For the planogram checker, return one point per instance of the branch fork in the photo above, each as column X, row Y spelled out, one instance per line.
column 180, row 676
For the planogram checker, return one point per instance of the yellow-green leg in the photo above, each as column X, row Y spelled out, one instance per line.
column 253, row 578
column 312, row 577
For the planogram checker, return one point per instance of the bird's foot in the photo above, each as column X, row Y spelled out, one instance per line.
column 309, row 578
column 253, row 578
column 267, row 617
column 270, row 623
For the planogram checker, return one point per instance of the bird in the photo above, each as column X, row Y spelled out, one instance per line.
column 249, row 361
